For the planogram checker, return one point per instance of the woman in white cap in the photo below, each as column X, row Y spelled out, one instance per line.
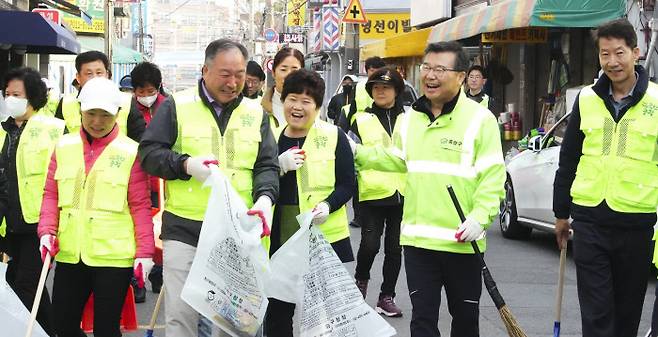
column 96, row 215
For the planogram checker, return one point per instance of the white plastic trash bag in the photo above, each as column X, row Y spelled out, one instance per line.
column 307, row 271
column 226, row 281
column 14, row 316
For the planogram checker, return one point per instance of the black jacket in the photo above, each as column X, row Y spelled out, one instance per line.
column 135, row 124
column 10, row 207
column 572, row 149
column 158, row 159
column 387, row 118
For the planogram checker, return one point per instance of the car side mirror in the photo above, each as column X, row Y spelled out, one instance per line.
column 534, row 144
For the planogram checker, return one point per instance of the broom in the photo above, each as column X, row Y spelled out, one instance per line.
column 154, row 316
column 560, row 288
column 37, row 296
column 513, row 328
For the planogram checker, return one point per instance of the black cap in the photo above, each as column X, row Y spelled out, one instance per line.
column 386, row 76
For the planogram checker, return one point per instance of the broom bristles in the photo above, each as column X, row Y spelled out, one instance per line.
column 513, row 328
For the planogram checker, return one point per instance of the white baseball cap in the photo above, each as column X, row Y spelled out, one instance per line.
column 100, row 93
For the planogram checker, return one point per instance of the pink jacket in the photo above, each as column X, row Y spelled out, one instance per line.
column 139, row 199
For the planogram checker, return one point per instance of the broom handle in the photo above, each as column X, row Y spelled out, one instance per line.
column 560, row 284
column 154, row 316
column 37, row 297
column 489, row 282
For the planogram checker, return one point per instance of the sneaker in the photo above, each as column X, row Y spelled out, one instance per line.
column 140, row 292
column 386, row 306
column 363, row 287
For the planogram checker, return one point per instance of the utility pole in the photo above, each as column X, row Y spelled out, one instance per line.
column 352, row 48
column 109, row 8
column 140, row 19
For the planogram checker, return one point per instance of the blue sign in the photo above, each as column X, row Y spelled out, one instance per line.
column 271, row 35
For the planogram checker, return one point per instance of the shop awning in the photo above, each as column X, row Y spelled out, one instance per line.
column 528, row 13
column 407, row 44
column 120, row 54
column 39, row 35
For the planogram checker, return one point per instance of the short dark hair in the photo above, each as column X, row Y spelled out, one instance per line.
column 375, row 62
column 36, row 91
column 285, row 52
column 254, row 69
column 477, row 68
column 221, row 45
column 619, row 29
column 144, row 74
column 461, row 60
column 304, row 81
column 91, row 56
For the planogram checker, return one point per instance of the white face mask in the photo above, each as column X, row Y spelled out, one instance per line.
column 16, row 107
column 147, row 101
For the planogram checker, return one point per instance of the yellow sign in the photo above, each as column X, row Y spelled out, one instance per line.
column 95, row 9
column 296, row 13
column 384, row 25
column 517, row 35
column 354, row 13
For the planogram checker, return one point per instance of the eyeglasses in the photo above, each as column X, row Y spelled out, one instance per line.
column 475, row 77
column 439, row 70
column 252, row 82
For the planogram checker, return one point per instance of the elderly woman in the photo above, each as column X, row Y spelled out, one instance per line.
column 96, row 215
column 28, row 140
column 317, row 174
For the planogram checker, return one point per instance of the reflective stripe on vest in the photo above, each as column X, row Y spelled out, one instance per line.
column 629, row 146
column 199, row 135
column 439, row 153
column 374, row 184
column 35, row 148
column 317, row 177
column 95, row 224
column 71, row 114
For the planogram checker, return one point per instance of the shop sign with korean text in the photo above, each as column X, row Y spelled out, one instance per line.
column 384, row 25
column 517, row 35
column 95, row 9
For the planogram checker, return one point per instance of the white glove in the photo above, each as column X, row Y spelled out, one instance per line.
column 48, row 244
column 199, row 167
column 263, row 209
column 320, row 213
column 147, row 265
column 469, row 230
column 291, row 160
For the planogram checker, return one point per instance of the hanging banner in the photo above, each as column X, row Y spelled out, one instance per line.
column 385, row 25
column 296, row 13
column 95, row 10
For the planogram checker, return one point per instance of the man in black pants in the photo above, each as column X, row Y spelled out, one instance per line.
column 607, row 182
column 379, row 192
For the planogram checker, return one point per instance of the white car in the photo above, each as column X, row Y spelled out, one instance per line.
column 528, row 199
column 528, row 202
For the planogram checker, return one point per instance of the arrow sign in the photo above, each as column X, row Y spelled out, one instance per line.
column 354, row 13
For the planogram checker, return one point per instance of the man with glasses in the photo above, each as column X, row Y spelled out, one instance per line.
column 445, row 139
column 254, row 82
column 475, row 80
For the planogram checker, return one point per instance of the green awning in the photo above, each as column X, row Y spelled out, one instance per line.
column 120, row 54
column 528, row 13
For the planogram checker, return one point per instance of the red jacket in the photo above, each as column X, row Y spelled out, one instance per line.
column 139, row 201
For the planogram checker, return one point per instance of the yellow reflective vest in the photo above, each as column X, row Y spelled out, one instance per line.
column 374, row 184
column 199, row 135
column 317, row 177
column 461, row 148
column 95, row 224
column 610, row 148
column 71, row 114
column 36, row 145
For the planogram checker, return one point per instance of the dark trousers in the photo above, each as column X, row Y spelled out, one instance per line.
column 654, row 315
column 23, row 274
column 427, row 272
column 375, row 221
column 278, row 318
column 612, row 267
column 72, row 287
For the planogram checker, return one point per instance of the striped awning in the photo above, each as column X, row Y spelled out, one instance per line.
column 528, row 13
